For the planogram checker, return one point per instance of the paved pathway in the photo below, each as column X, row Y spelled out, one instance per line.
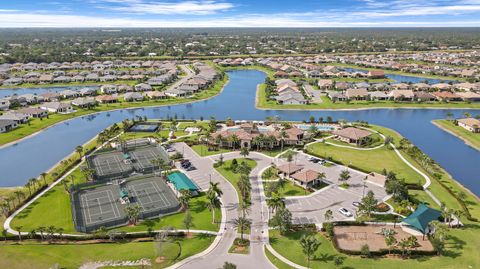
column 217, row 254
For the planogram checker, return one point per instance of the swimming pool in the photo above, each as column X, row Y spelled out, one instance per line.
column 319, row 127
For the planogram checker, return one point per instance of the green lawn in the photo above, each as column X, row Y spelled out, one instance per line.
column 231, row 176
column 470, row 138
column 372, row 160
column 42, row 213
column 278, row 263
column 35, row 255
column 461, row 253
column 202, row 150
column 202, row 218
column 198, row 124
column 37, row 124
column 289, row 189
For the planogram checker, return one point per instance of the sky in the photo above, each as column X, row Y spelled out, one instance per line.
column 235, row 13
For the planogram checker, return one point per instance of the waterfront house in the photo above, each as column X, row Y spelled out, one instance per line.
column 469, row 96
column 447, row 96
column 291, row 99
column 108, row 89
column 33, row 112
column 45, row 78
column 67, row 94
column 15, row 116
column 87, row 91
column 133, row 96
column 402, row 95
column 51, row 96
column 356, row 94
column 376, row 74
column 156, row 95
column 422, row 96
column 106, row 99
column 7, row 125
column 471, row 124
column 57, row 107
column 379, row 95
column 84, row 102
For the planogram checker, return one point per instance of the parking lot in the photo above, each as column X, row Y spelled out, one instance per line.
column 311, row 208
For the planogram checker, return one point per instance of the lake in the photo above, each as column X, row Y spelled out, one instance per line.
column 37, row 154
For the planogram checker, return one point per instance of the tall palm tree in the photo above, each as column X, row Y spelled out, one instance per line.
column 19, row 231
column 213, row 203
column 29, row 186
column 41, row 230
column 244, row 186
column 235, row 140
column 44, row 177
column 185, row 198
column 283, row 135
column 79, row 150
column 328, row 215
column 242, row 224
column 215, row 188
column 275, row 202
column 19, row 194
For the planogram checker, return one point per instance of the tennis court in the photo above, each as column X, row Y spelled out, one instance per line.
column 110, row 165
column 142, row 158
column 142, row 127
column 153, row 195
column 94, row 207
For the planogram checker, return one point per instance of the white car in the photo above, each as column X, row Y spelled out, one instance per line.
column 345, row 212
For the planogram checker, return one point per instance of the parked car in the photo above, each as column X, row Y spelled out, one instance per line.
column 170, row 150
column 356, row 204
column 345, row 212
column 190, row 168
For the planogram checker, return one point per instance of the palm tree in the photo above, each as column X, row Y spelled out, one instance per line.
column 65, row 182
column 60, row 232
column 72, row 179
column 244, row 186
column 215, row 188
column 44, row 177
column 19, row 194
column 283, row 135
column 133, row 212
column 344, row 176
column 51, row 231
column 19, row 231
column 79, row 150
column 449, row 115
column 242, row 224
column 310, row 245
column 244, row 152
column 4, row 234
column 235, row 140
column 213, row 203
column 328, row 215
column 275, row 202
column 185, row 198
column 29, row 186
column 87, row 172
column 41, row 230
column 158, row 162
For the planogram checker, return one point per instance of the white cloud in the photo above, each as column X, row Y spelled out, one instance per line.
column 248, row 20
column 194, row 7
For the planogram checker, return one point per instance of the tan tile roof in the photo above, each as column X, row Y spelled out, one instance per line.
column 306, row 176
column 352, row 133
column 289, row 168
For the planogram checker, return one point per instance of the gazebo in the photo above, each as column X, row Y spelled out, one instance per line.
column 421, row 218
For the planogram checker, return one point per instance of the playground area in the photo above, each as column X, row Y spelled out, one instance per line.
column 104, row 205
column 352, row 238
column 135, row 156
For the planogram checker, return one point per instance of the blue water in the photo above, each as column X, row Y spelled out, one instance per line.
column 403, row 78
column 35, row 155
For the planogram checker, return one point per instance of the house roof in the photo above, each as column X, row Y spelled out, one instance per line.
column 306, row 176
column 422, row 216
column 470, row 122
column 352, row 133
column 289, row 168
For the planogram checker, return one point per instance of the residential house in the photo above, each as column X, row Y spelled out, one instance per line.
column 67, row 94
column 379, row 95
column 133, row 96
column 306, row 178
column 469, row 96
column 422, row 96
column 106, row 99
column 33, row 112
column 142, row 87
column 356, row 94
column 376, row 74
column 7, row 125
column 291, row 99
column 51, row 96
column 57, row 107
column 109, row 89
column 325, row 84
column 447, row 96
column 15, row 116
column 84, row 102
column 4, row 104
column 471, row 124
column 156, row 95
column 402, row 95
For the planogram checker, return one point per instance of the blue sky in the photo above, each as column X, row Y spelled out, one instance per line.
column 234, row 13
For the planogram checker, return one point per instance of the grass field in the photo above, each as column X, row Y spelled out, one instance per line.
column 472, row 139
column 35, row 255
column 37, row 124
column 372, row 160
column 202, row 150
column 233, row 177
column 460, row 253
column 42, row 213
